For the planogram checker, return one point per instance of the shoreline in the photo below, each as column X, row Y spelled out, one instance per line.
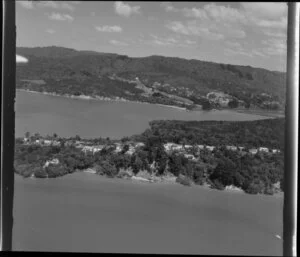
column 161, row 181
column 262, row 113
column 97, row 98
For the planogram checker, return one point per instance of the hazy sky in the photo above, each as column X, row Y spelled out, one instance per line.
column 237, row 33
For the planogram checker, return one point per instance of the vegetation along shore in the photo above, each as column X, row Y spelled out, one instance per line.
column 246, row 156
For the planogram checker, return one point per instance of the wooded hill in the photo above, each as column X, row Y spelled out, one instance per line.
column 68, row 66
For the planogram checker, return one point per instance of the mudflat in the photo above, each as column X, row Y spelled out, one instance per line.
column 85, row 212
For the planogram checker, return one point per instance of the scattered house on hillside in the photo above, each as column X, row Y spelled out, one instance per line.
column 37, row 141
column 263, row 149
column 253, row 151
column 53, row 162
column 241, row 148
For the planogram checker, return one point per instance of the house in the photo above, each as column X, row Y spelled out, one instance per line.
column 263, row 149
column 53, row 162
column 97, row 148
column 47, row 142
column 253, row 151
column 119, row 147
column 210, row 148
column 139, row 144
column 25, row 139
column 275, row 151
column 56, row 143
column 231, row 147
column 86, row 149
column 131, row 150
column 172, row 147
column 201, row 147
column 189, row 156
column 168, row 146
column 241, row 148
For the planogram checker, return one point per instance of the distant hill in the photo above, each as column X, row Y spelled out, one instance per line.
column 184, row 77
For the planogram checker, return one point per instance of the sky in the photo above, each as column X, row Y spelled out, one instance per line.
column 245, row 33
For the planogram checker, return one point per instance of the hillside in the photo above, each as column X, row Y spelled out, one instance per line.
column 193, row 79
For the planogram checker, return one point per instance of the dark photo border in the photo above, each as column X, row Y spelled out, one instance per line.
column 8, row 91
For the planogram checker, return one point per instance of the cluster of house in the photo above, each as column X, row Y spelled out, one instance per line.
column 89, row 147
column 169, row 147
column 116, row 147
column 46, row 142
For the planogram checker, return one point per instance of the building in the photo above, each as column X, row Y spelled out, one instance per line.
column 53, row 162
column 231, row 147
column 263, row 149
column 275, row 151
column 201, row 147
column 210, row 148
column 253, row 151
column 190, row 156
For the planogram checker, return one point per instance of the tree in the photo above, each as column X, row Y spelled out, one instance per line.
column 233, row 103
column 108, row 169
column 226, row 173
column 125, row 149
column 206, row 105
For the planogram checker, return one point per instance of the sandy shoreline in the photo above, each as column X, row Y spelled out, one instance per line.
column 97, row 98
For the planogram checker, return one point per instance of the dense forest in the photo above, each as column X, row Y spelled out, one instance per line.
column 251, row 134
column 69, row 71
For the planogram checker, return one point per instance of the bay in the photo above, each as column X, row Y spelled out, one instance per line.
column 46, row 114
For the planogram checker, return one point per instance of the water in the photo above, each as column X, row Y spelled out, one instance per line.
column 47, row 114
column 88, row 213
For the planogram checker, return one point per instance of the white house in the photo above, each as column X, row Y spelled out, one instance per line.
column 25, row 139
column 189, row 156
column 201, row 147
column 231, row 147
column 253, row 151
column 139, row 144
column 241, row 148
column 47, row 142
column 263, row 149
column 210, row 148
column 53, row 161
column 275, row 151
column 118, row 147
